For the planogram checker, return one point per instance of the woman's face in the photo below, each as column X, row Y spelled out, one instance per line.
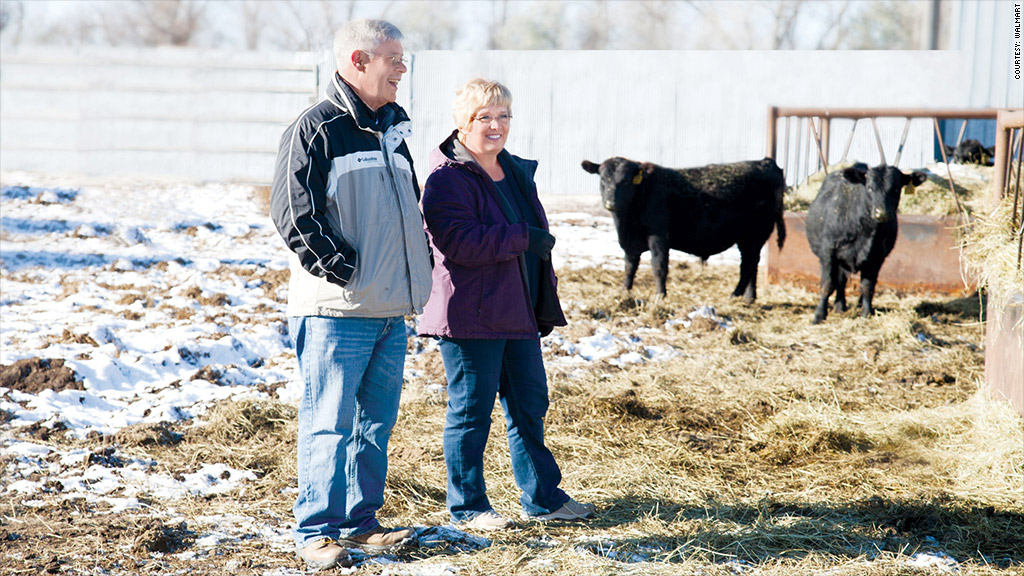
column 487, row 130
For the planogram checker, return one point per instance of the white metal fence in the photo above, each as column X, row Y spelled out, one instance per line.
column 219, row 115
column 149, row 112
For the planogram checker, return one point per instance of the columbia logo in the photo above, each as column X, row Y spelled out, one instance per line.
column 362, row 159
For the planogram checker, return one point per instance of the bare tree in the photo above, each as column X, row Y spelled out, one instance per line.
column 833, row 35
column 332, row 17
column 536, row 27
column 296, row 30
column 594, row 26
column 714, row 29
column 11, row 14
column 309, row 24
column 786, row 13
column 75, row 27
column 774, row 24
column 429, row 25
column 156, row 22
column 254, row 22
column 440, row 24
column 885, row 25
column 649, row 24
column 499, row 17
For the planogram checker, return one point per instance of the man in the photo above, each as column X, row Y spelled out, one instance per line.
column 345, row 199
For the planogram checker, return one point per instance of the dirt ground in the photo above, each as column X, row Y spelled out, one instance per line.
column 761, row 445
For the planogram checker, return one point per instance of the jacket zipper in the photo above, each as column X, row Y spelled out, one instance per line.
column 394, row 186
column 505, row 204
column 401, row 216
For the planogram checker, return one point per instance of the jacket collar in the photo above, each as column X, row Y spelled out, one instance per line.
column 342, row 95
column 453, row 152
column 518, row 171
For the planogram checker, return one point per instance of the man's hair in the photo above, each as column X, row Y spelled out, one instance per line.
column 476, row 94
column 365, row 35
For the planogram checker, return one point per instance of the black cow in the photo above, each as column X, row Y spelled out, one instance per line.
column 971, row 152
column 851, row 226
column 701, row 211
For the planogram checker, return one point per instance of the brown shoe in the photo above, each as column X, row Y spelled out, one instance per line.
column 380, row 540
column 323, row 554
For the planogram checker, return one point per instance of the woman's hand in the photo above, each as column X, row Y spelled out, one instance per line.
column 541, row 242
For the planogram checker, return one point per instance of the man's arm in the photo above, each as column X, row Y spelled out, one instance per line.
column 298, row 205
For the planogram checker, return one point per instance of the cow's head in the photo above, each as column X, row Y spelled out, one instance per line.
column 970, row 151
column 620, row 179
column 884, row 184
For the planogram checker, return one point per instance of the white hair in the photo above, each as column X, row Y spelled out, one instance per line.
column 365, row 35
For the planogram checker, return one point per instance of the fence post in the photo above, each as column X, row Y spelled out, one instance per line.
column 1005, row 121
column 826, row 137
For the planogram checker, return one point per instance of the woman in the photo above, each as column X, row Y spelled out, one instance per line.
column 493, row 297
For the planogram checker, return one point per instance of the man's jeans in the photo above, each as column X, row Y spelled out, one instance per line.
column 352, row 370
column 477, row 370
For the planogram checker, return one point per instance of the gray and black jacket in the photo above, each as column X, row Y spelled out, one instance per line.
column 345, row 200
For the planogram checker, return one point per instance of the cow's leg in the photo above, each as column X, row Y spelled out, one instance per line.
column 747, row 287
column 659, row 261
column 842, row 276
column 868, row 279
column 632, row 262
column 827, row 278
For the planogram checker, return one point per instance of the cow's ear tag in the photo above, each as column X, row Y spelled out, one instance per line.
column 638, row 178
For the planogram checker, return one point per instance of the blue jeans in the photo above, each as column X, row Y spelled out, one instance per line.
column 477, row 370
column 352, row 371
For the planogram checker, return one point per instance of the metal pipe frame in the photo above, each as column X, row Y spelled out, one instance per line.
column 1006, row 122
column 775, row 112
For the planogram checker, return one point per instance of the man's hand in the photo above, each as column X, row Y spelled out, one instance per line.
column 340, row 267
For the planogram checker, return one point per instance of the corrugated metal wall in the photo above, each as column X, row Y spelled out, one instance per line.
column 678, row 108
column 983, row 31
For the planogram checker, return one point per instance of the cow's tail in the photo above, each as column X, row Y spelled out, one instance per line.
column 780, row 227
column 780, row 210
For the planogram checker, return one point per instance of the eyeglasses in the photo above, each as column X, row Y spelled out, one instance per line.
column 396, row 61
column 502, row 119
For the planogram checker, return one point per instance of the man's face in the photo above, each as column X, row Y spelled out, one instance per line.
column 379, row 82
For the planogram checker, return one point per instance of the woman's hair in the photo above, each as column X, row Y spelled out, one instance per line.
column 365, row 35
column 476, row 94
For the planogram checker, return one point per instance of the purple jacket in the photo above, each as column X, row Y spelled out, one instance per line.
column 479, row 280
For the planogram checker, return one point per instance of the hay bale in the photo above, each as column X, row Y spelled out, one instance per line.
column 991, row 250
column 933, row 198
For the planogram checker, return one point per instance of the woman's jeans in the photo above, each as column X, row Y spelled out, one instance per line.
column 477, row 370
column 352, row 371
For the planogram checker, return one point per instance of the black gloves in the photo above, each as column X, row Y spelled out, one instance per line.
column 541, row 242
column 338, row 268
